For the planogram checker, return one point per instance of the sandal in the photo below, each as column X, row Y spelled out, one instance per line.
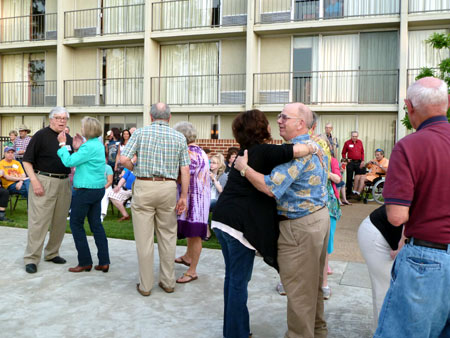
column 190, row 278
column 180, row 260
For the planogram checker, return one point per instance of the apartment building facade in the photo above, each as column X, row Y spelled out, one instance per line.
column 349, row 60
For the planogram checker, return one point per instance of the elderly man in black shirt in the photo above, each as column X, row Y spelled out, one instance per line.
column 49, row 198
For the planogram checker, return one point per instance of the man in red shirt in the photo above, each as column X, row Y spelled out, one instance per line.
column 353, row 150
column 417, row 194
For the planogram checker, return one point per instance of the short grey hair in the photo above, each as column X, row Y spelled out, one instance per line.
column 160, row 111
column 354, row 132
column 314, row 119
column 421, row 96
column 187, row 129
column 58, row 110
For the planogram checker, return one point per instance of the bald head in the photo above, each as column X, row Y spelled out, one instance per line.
column 160, row 111
column 429, row 96
column 302, row 111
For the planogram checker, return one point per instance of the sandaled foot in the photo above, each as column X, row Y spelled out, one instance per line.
column 180, row 260
column 186, row 278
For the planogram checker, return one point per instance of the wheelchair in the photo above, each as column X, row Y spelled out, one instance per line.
column 374, row 189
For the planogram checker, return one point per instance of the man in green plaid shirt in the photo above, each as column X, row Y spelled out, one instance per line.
column 162, row 155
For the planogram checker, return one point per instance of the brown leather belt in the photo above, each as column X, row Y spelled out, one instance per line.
column 60, row 176
column 282, row 218
column 155, row 179
column 427, row 244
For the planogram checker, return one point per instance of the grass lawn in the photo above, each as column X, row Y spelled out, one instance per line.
column 113, row 228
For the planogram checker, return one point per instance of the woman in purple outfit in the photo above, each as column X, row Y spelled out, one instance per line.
column 193, row 223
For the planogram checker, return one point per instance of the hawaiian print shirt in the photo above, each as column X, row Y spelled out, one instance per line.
column 300, row 186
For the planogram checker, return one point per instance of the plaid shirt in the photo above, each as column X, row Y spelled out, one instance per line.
column 161, row 151
column 21, row 144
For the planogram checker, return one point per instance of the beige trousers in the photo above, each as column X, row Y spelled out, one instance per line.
column 302, row 248
column 47, row 212
column 153, row 211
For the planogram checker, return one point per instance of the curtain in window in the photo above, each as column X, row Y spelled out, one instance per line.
column 124, row 69
column 421, row 54
column 189, row 73
column 173, row 84
column 203, row 125
column 14, row 85
column 378, row 76
column 123, row 19
column 184, row 14
column 338, row 69
column 7, row 124
column 17, row 27
column 370, row 7
column 428, row 5
column 304, row 83
column 203, row 71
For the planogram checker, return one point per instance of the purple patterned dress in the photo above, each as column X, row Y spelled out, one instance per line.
column 194, row 221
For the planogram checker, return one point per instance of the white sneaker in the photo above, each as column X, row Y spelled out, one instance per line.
column 326, row 292
column 280, row 289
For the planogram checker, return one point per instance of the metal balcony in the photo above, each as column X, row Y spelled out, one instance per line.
column 28, row 28
column 28, row 93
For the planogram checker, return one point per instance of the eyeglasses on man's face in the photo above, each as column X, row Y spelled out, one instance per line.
column 60, row 118
column 285, row 117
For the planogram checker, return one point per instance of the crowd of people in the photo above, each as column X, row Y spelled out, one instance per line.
column 281, row 201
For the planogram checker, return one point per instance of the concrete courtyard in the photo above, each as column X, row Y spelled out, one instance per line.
column 56, row 303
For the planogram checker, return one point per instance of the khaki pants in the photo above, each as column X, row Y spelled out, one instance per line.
column 47, row 212
column 302, row 248
column 153, row 210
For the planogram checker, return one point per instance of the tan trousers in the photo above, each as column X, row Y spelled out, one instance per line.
column 47, row 212
column 153, row 211
column 302, row 248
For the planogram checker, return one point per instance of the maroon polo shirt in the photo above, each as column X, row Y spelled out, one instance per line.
column 355, row 150
column 419, row 178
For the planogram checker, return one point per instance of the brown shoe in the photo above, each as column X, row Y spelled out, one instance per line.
column 124, row 218
column 165, row 288
column 81, row 268
column 104, row 268
column 143, row 293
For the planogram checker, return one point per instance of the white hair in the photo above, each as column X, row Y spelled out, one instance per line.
column 420, row 95
column 58, row 110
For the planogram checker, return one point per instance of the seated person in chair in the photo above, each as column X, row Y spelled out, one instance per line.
column 13, row 178
column 377, row 167
column 4, row 196
column 121, row 193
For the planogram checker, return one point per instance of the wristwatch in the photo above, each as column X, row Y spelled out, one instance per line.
column 243, row 171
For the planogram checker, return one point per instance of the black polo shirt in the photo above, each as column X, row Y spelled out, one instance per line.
column 41, row 152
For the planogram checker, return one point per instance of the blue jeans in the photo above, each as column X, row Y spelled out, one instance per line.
column 23, row 190
column 238, row 272
column 418, row 302
column 87, row 202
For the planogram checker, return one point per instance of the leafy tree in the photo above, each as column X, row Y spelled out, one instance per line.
column 438, row 41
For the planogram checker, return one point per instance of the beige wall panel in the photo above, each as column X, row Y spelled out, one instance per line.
column 233, row 7
column 75, row 123
column 233, row 56
column 84, row 4
column 275, row 54
column 271, row 6
column 50, row 65
column 274, row 130
column 175, row 118
column 51, row 6
column 7, row 125
column 34, row 123
column 85, row 63
column 225, row 131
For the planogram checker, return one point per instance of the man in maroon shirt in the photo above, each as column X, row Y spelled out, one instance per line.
column 417, row 194
column 353, row 150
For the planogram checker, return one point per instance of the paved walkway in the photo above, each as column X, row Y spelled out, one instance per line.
column 56, row 303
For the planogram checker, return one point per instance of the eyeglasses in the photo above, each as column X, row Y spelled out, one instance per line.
column 284, row 117
column 59, row 118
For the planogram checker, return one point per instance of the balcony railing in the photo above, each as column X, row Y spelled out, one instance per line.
column 271, row 11
column 104, row 92
column 28, row 28
column 327, row 87
column 182, row 14
column 104, row 21
column 28, row 94
column 419, row 6
column 218, row 89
